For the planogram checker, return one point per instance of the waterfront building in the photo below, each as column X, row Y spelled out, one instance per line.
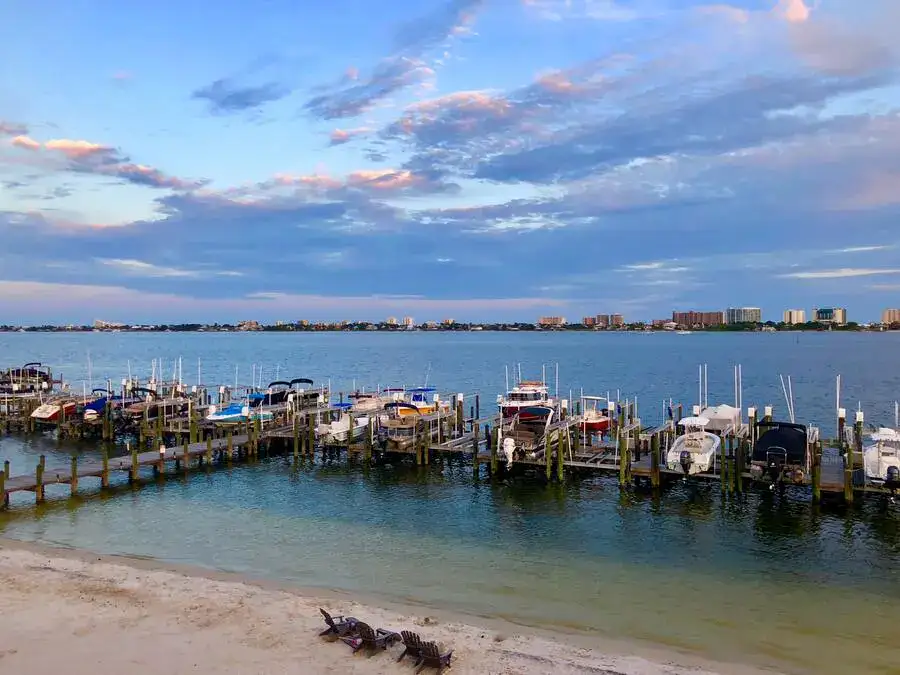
column 616, row 320
column 602, row 321
column 830, row 315
column 589, row 321
column 890, row 316
column 552, row 321
column 794, row 316
column 702, row 319
column 743, row 315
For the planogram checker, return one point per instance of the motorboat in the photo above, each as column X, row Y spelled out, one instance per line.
column 235, row 413
column 424, row 401
column 338, row 431
column 780, row 451
column 881, row 458
column 722, row 418
column 151, row 407
column 527, row 395
column 595, row 417
column 55, row 411
column 30, row 378
column 695, row 450
column 524, row 435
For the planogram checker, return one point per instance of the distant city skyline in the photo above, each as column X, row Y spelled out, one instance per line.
column 444, row 158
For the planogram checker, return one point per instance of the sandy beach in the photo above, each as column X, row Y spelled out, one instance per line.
column 81, row 613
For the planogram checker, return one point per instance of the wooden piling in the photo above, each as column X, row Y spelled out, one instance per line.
column 723, row 465
column 495, row 441
column 4, row 495
column 39, row 480
column 310, row 434
column 209, row 450
column 548, row 455
column 185, row 457
column 476, row 469
column 623, row 459
column 296, row 432
column 133, row 474
column 817, row 472
column 6, row 469
column 229, row 447
column 654, row 461
column 560, row 456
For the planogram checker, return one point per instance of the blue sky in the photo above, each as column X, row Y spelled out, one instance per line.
column 473, row 159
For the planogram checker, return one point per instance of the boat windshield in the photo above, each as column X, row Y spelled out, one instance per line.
column 525, row 396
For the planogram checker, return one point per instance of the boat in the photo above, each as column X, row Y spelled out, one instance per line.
column 50, row 412
column 695, row 450
column 151, row 406
column 527, row 395
column 398, row 432
column 235, row 413
column 595, row 414
column 368, row 402
column 722, row 418
column 418, row 401
column 525, row 434
column 881, row 458
column 30, row 378
column 338, row 431
column 780, row 451
column 94, row 408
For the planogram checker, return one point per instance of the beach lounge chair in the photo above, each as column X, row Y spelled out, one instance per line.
column 412, row 646
column 371, row 639
column 340, row 626
column 431, row 657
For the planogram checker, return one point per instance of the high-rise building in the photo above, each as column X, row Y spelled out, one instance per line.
column 602, row 321
column 792, row 316
column 616, row 320
column 589, row 321
column 391, row 321
column 890, row 316
column 551, row 321
column 702, row 319
column 408, row 321
column 832, row 315
column 743, row 315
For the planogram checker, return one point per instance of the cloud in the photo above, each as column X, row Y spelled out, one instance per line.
column 843, row 273
column 141, row 268
column 12, row 129
column 863, row 249
column 25, row 142
column 78, row 150
column 353, row 95
column 341, row 136
column 224, row 96
column 792, row 11
column 601, row 10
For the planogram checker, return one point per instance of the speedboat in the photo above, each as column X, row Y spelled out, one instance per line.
column 881, row 459
column 338, row 431
column 234, row 413
column 529, row 399
column 52, row 410
column 695, row 450
column 595, row 414
column 780, row 451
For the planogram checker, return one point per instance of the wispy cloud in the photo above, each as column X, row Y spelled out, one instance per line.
column 12, row 129
column 225, row 96
column 142, row 268
column 863, row 249
column 341, row 136
column 842, row 273
column 353, row 95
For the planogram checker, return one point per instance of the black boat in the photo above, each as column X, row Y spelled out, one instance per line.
column 780, row 452
column 29, row 378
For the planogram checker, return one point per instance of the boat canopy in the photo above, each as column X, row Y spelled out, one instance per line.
column 342, row 406
column 721, row 416
column 300, row 380
column 693, row 421
column 401, row 404
column 885, row 434
column 781, row 437
column 278, row 383
column 421, row 389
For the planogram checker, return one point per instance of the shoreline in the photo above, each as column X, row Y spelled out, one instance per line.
column 146, row 603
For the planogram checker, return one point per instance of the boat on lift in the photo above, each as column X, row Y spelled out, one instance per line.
column 530, row 399
column 595, row 416
column 881, row 458
column 695, row 450
column 338, row 431
column 53, row 411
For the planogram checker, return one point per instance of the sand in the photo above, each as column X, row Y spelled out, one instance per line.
column 86, row 614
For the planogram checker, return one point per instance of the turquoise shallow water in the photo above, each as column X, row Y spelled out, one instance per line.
column 767, row 579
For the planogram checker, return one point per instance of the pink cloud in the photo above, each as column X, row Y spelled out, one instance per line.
column 74, row 149
column 385, row 179
column 11, row 129
column 792, row 11
column 339, row 136
column 461, row 100
column 26, row 142
column 147, row 175
column 875, row 190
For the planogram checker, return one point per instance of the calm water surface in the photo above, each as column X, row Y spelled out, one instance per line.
column 766, row 579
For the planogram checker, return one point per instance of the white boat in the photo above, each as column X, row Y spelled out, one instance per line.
column 722, row 418
column 881, row 459
column 695, row 450
column 529, row 399
column 237, row 412
column 339, row 431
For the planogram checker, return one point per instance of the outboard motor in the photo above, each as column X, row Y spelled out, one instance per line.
column 509, row 449
column 686, row 459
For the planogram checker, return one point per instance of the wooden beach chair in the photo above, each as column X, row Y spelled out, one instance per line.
column 412, row 644
column 340, row 626
column 370, row 638
column 431, row 657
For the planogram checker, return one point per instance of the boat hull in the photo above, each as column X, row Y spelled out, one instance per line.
column 596, row 426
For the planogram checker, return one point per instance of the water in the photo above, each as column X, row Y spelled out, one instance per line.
column 768, row 579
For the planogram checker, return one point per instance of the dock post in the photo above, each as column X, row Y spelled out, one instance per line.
column 741, row 452
column 426, row 443
column 310, row 435
column 560, row 457
column 842, row 421
column 495, row 441
column 186, row 456
column 723, row 463
column 73, row 479
column 476, row 469
column 548, row 454
column 623, row 459
column 370, row 435
column 209, row 450
column 296, row 431
column 6, row 469
column 477, row 407
column 654, row 461
column 104, row 474
column 817, row 472
column 229, row 447
column 133, row 474
column 852, row 451
column 39, row 480
column 460, row 421
column 3, row 493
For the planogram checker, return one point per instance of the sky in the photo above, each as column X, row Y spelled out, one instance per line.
column 467, row 159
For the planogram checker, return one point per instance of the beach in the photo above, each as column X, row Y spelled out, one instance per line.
column 79, row 612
